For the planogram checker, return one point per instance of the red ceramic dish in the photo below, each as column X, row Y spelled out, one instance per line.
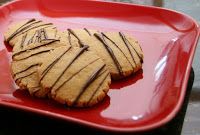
column 147, row 100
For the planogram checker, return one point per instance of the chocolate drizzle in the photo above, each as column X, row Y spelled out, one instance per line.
column 13, row 34
column 41, row 35
column 73, row 33
column 127, row 43
column 96, row 90
column 124, row 40
column 35, row 47
column 110, row 51
column 75, row 74
column 31, row 40
column 43, row 31
column 21, row 29
column 102, row 73
column 37, row 26
column 16, row 79
column 27, row 28
column 92, row 77
column 23, row 40
column 43, row 51
column 67, row 66
column 69, row 38
column 26, row 69
column 38, row 36
column 119, row 49
column 79, row 40
column 52, row 64
column 88, row 32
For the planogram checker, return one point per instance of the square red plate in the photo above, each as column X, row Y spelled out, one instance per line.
column 147, row 100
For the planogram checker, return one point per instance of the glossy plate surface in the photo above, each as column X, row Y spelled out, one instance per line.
column 147, row 100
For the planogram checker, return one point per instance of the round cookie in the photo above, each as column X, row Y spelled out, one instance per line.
column 15, row 30
column 121, row 52
column 74, row 76
column 27, row 58
column 36, row 37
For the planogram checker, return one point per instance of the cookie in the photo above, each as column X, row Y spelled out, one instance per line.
column 79, row 37
column 74, row 76
column 121, row 52
column 35, row 37
column 27, row 58
column 17, row 29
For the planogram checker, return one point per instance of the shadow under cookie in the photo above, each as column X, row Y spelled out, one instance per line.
column 118, row 84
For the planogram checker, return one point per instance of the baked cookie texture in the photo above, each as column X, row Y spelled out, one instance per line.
column 15, row 30
column 40, row 38
column 121, row 52
column 28, row 55
column 74, row 76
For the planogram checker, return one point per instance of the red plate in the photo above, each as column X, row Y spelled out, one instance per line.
column 147, row 100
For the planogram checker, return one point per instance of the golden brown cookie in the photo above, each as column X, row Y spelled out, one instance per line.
column 121, row 52
column 15, row 30
column 74, row 76
column 72, row 67
column 28, row 57
column 35, row 37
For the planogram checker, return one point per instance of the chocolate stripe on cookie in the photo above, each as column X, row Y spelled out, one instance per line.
column 96, row 90
column 43, row 51
column 16, row 79
column 79, row 40
column 31, row 39
column 73, row 59
column 124, row 40
column 45, row 36
column 28, row 28
column 127, row 43
column 43, row 31
column 23, row 40
column 26, row 69
column 21, row 29
column 118, row 49
column 92, row 77
column 32, row 20
column 22, row 32
column 73, row 33
column 110, row 51
column 52, row 64
column 88, row 32
column 41, row 35
column 35, row 47
column 102, row 73
column 75, row 74
column 37, row 37
column 69, row 38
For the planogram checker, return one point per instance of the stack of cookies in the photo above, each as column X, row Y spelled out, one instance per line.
column 73, row 67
